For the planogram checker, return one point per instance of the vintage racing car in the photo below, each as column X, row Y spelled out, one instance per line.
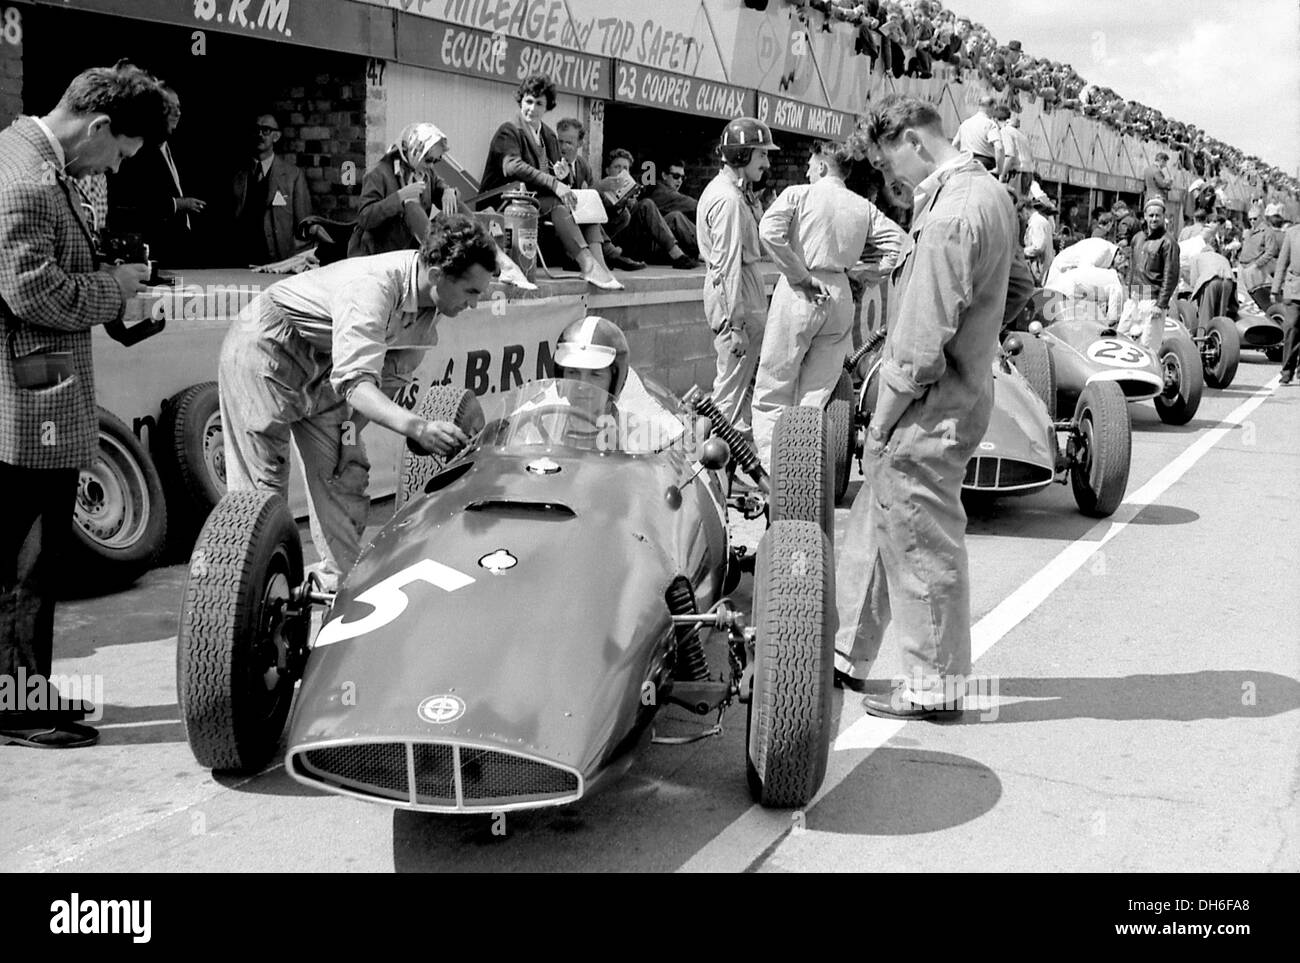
column 1021, row 451
column 507, row 639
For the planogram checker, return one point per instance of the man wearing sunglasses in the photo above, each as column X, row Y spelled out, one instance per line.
column 270, row 199
column 677, row 208
column 52, row 292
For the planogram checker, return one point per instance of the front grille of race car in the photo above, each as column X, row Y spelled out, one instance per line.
column 1004, row 474
column 437, row 777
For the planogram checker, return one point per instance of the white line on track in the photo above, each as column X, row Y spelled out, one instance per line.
column 758, row 829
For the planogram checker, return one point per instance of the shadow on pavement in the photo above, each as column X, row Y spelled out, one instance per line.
column 903, row 792
column 1183, row 697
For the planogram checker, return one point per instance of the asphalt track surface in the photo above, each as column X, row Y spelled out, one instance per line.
column 1140, row 714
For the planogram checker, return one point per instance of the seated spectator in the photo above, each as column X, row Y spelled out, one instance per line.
column 677, row 208
column 401, row 195
column 145, row 197
column 576, row 172
column 525, row 149
column 635, row 223
column 270, row 197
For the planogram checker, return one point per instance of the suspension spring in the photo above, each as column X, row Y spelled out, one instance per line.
column 868, row 346
column 692, row 665
column 741, row 450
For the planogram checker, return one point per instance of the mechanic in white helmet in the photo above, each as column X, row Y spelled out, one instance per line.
column 594, row 350
column 726, row 226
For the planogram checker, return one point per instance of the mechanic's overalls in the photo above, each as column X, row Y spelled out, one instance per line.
column 818, row 229
column 727, row 230
column 903, row 555
column 273, row 385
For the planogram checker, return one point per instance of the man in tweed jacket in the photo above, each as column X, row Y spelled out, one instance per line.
column 51, row 294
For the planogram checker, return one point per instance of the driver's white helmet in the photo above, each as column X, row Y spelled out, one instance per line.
column 593, row 343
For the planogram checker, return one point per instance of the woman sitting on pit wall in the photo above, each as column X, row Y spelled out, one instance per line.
column 525, row 149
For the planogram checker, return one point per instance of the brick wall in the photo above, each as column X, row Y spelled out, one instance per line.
column 324, row 125
column 670, row 343
column 11, row 73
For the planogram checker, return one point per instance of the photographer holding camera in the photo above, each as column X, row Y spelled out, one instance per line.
column 52, row 293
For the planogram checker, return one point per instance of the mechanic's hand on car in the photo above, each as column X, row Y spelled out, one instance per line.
column 442, row 438
column 131, row 278
column 413, row 191
column 739, row 342
column 814, row 289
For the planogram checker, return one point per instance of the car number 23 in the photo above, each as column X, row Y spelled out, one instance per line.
column 1120, row 354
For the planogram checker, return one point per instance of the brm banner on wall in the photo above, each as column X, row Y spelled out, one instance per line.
column 325, row 24
column 496, row 56
column 781, row 113
column 646, row 87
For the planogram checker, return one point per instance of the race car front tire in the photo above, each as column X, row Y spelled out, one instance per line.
column 119, row 519
column 1103, row 446
column 1035, row 362
column 236, row 641
column 840, row 412
column 1178, row 403
column 788, row 733
column 1224, row 342
column 460, row 406
column 802, row 486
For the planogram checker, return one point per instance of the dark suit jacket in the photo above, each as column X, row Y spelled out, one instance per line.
column 51, row 294
column 670, row 201
column 384, row 223
column 141, row 200
column 279, row 220
column 513, row 156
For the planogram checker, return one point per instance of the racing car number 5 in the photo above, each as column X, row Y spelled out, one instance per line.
column 389, row 600
column 1118, row 353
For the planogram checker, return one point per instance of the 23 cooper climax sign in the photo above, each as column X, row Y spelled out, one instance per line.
column 635, row 84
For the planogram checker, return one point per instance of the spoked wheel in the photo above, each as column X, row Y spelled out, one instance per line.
column 440, row 403
column 840, row 412
column 241, row 644
column 789, row 728
column 1221, row 352
column 120, row 514
column 802, row 485
column 1101, row 449
column 1184, row 381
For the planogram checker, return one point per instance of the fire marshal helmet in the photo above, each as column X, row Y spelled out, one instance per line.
column 594, row 343
column 742, row 136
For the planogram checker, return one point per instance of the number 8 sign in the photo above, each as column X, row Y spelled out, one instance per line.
column 1119, row 354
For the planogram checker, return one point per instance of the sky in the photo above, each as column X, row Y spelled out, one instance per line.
column 1231, row 67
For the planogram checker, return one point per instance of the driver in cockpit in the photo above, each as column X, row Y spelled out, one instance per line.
column 594, row 350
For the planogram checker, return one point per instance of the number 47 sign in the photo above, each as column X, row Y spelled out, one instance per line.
column 389, row 599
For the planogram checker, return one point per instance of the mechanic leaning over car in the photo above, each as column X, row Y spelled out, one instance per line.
column 814, row 232
column 959, row 279
column 1153, row 274
column 319, row 354
column 52, row 292
column 726, row 226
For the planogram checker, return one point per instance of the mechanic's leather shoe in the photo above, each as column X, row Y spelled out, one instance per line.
column 845, row 681
column 624, row 263
column 887, row 707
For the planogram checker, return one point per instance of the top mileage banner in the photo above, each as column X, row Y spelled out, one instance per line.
column 496, row 56
column 649, row 87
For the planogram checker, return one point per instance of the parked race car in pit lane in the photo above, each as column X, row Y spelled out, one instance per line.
column 506, row 640
column 1260, row 322
column 1021, row 451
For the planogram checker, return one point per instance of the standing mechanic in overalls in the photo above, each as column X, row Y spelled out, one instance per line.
column 815, row 232
column 958, row 279
column 319, row 354
column 726, row 225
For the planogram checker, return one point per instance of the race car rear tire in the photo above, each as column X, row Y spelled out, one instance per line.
column 191, row 459
column 802, row 486
column 1225, row 341
column 119, row 519
column 235, row 640
column 1179, row 402
column 788, row 736
column 1103, row 449
column 440, row 403
column 840, row 412
column 1035, row 362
